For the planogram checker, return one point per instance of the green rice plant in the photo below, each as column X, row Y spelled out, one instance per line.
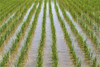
column 67, row 37
column 87, row 10
column 18, row 36
column 54, row 49
column 12, row 19
column 9, row 5
column 4, row 26
column 85, row 17
column 81, row 22
column 95, row 62
column 42, row 41
column 5, row 58
column 89, row 32
column 95, row 27
column 4, row 6
column 4, row 37
column 10, row 10
column 26, row 44
column 4, row 10
column 79, row 37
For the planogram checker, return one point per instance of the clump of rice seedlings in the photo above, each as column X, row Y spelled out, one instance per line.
column 54, row 49
column 4, row 59
column 67, row 37
column 15, row 42
column 42, row 41
column 89, row 32
column 11, row 19
column 7, row 33
column 4, row 37
column 5, row 14
column 86, row 17
column 26, row 44
column 79, row 37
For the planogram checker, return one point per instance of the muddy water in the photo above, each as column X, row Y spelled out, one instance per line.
column 47, row 49
column 33, row 50
column 89, row 43
column 77, row 49
column 9, row 44
column 64, row 58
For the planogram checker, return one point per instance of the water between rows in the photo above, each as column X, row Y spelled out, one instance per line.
column 85, row 38
column 77, row 49
column 64, row 58
column 9, row 43
column 33, row 50
column 47, row 56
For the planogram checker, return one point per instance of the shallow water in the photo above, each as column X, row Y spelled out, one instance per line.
column 25, row 36
column 9, row 44
column 64, row 58
column 6, row 47
column 88, row 41
column 33, row 50
column 77, row 49
column 47, row 48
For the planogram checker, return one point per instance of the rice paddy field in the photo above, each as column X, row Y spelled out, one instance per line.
column 49, row 33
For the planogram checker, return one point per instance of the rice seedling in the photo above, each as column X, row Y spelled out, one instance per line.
column 54, row 50
column 74, row 33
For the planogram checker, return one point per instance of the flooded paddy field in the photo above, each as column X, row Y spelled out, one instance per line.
column 49, row 33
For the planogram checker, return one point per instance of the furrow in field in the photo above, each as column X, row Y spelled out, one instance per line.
column 47, row 49
column 64, row 58
column 78, row 51
column 33, row 50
